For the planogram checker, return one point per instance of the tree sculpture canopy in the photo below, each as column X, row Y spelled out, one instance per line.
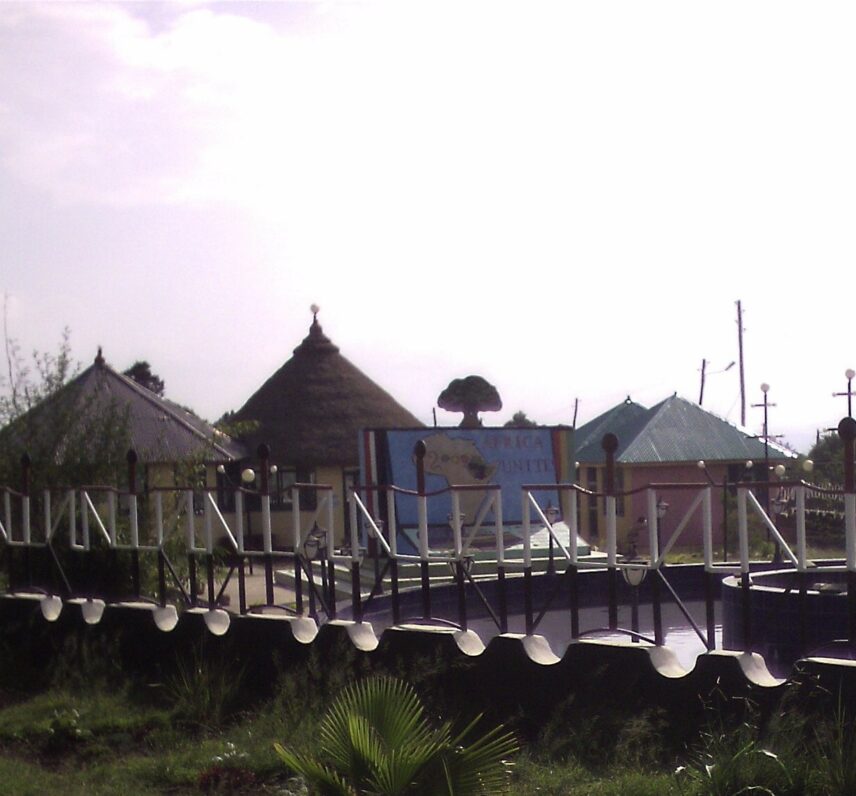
column 470, row 395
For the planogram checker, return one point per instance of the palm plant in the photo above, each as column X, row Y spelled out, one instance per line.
column 376, row 740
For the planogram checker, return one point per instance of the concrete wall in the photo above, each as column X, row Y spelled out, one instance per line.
column 514, row 675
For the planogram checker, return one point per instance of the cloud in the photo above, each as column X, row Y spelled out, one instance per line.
column 98, row 104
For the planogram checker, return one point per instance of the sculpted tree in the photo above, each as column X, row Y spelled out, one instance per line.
column 470, row 395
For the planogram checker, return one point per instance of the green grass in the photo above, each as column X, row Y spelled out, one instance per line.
column 148, row 739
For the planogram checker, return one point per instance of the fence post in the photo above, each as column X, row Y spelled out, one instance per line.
column 709, row 575
column 330, row 564
column 802, row 563
column 847, row 432
column 25, row 515
column 158, row 531
column 609, row 443
column 297, row 533
column 393, row 549
column 743, row 537
column 239, row 538
column 419, row 452
column 356, row 585
column 263, row 452
column 459, row 563
column 573, row 569
column 131, row 458
column 527, row 564
column 191, row 545
column 654, row 547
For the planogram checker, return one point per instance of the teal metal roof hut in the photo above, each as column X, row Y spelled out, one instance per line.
column 673, row 431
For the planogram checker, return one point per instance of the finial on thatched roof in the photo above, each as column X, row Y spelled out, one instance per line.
column 99, row 357
column 316, row 341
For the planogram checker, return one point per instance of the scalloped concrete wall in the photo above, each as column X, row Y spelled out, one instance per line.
column 517, row 675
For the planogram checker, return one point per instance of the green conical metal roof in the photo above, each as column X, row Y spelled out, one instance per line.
column 673, row 431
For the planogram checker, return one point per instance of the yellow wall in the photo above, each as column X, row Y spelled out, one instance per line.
column 282, row 520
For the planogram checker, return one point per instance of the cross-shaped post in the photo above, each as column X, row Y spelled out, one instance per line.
column 766, row 436
column 849, row 374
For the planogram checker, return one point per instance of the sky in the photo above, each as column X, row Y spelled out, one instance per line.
column 566, row 198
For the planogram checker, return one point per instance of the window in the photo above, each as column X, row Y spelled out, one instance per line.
column 281, row 496
column 279, row 486
column 226, row 484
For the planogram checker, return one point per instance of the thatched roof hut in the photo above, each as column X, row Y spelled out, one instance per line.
column 312, row 409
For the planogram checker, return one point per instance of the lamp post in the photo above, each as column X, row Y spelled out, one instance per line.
column 765, row 389
column 849, row 374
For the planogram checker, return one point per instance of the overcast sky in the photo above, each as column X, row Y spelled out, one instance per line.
column 566, row 198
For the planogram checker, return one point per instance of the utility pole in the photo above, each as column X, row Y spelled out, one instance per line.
column 740, row 357
column 714, row 373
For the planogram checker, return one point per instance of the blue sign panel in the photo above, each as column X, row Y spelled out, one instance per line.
column 508, row 457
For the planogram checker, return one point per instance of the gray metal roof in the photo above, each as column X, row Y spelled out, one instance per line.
column 673, row 431
column 160, row 430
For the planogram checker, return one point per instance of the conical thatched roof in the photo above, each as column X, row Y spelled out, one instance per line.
column 311, row 410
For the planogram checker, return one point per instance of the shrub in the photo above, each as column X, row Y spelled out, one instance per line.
column 375, row 739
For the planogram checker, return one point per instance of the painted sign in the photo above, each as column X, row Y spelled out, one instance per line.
column 506, row 457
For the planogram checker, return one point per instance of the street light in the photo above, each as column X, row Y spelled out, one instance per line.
column 849, row 375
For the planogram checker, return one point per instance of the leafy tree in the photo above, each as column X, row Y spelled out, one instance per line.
column 236, row 429
column 141, row 372
column 828, row 457
column 376, row 739
column 520, row 420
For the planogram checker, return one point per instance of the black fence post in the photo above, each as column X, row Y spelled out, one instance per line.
column 131, row 458
column 26, row 464
column 847, row 432
column 609, row 443
column 263, row 452
column 419, row 451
